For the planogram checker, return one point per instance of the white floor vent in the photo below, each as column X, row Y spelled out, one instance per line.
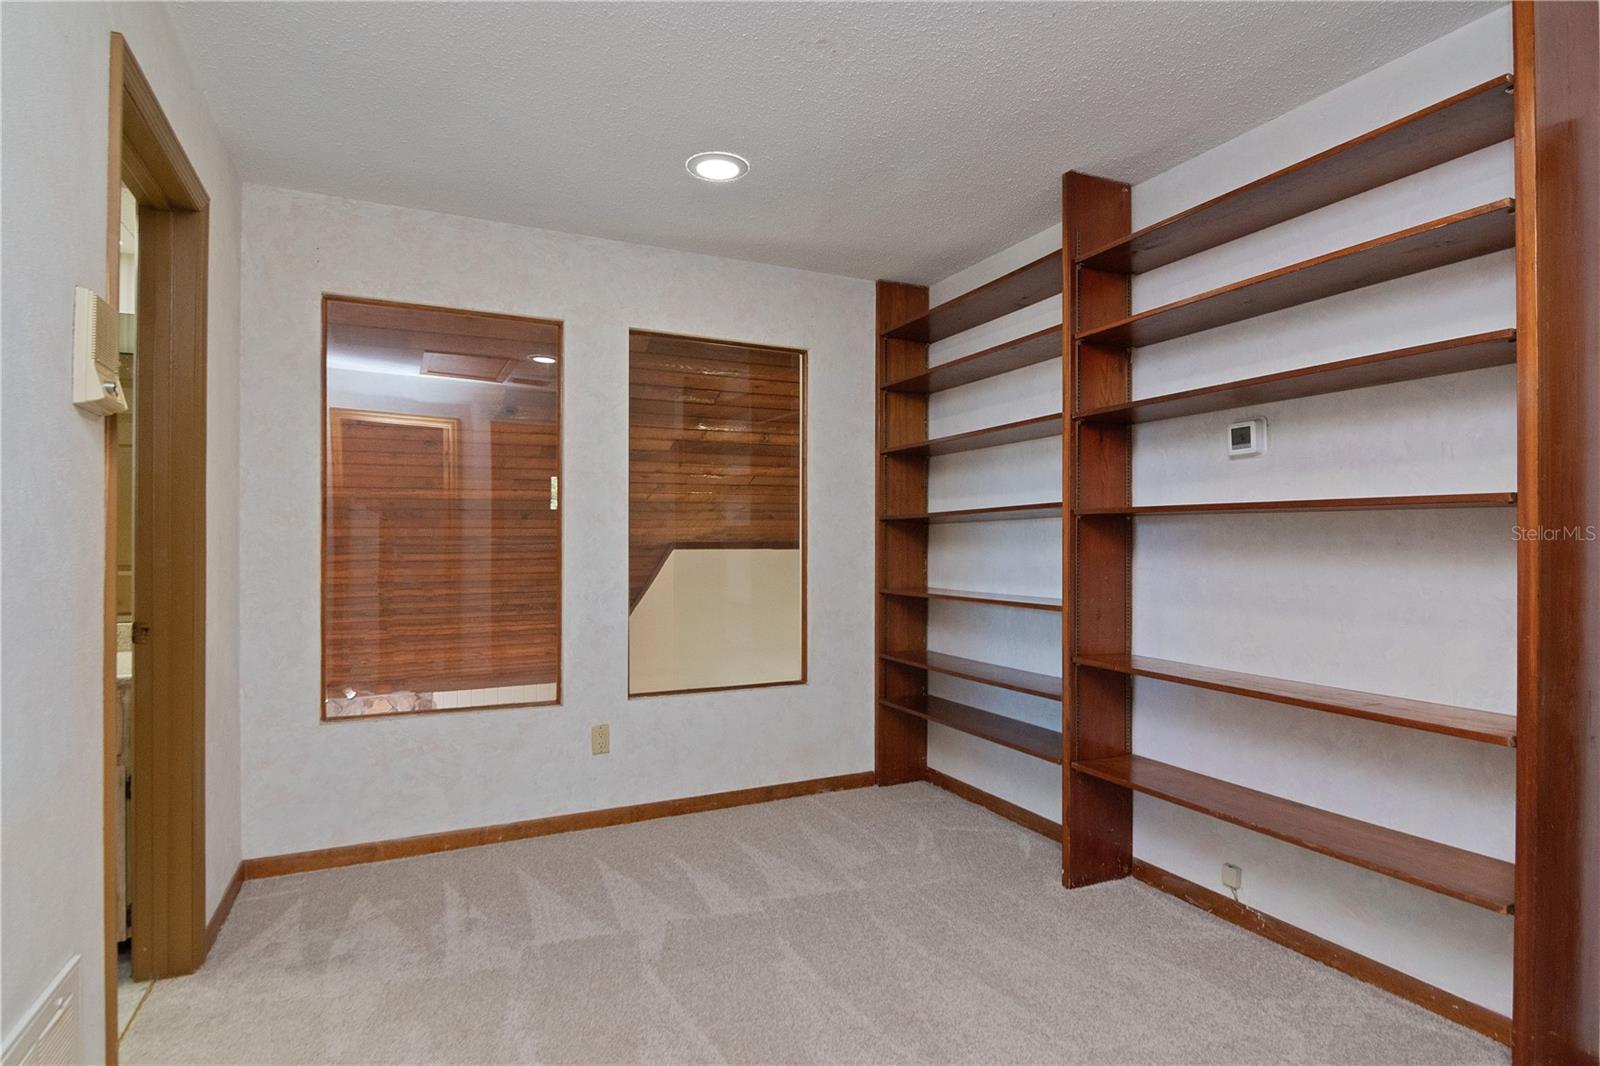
column 50, row 1035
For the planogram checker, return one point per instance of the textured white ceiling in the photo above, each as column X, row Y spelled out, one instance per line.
column 885, row 139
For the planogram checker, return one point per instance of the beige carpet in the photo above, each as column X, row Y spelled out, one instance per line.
column 880, row 925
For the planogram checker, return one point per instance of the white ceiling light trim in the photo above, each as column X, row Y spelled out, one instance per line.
column 717, row 167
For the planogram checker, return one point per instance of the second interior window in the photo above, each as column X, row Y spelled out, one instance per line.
column 715, row 515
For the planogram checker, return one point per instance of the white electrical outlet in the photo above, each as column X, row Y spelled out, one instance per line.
column 1232, row 878
column 600, row 740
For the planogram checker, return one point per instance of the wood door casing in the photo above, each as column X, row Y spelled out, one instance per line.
column 166, row 863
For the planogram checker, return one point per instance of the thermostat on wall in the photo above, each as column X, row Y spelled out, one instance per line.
column 1247, row 438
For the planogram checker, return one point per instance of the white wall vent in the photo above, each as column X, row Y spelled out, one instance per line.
column 49, row 1035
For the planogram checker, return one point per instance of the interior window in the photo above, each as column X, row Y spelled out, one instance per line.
column 715, row 515
column 441, row 572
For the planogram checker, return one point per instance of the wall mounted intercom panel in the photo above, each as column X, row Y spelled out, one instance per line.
column 95, row 331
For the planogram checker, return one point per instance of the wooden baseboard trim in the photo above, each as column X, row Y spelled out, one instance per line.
column 1428, row 997
column 214, row 926
column 427, row 844
column 989, row 801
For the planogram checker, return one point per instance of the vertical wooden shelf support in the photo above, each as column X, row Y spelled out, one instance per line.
column 902, row 547
column 1097, row 557
column 1556, row 971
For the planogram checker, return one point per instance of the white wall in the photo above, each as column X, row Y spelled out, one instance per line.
column 56, row 75
column 311, row 785
column 716, row 617
column 1413, row 604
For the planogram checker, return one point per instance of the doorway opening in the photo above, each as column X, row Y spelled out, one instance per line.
column 130, row 991
column 154, row 736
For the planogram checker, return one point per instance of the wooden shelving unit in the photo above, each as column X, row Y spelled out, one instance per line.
column 1098, row 540
column 1023, row 287
column 1035, row 348
column 1451, row 239
column 1454, row 356
column 1450, row 871
column 1343, row 503
column 1043, row 427
column 1550, row 111
column 1007, row 732
column 1466, row 122
column 906, row 326
column 1025, row 681
column 1001, row 513
column 1465, row 722
column 993, row 599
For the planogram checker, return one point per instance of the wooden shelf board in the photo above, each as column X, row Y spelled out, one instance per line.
column 999, row 599
column 1011, row 733
column 1465, row 722
column 1457, row 237
column 1464, row 123
column 1464, row 875
column 1025, row 681
column 1040, row 428
column 1454, row 356
column 1038, row 280
column 1035, row 348
column 1345, row 503
column 1006, row 512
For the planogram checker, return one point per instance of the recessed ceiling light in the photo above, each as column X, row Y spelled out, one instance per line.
column 542, row 358
column 718, row 166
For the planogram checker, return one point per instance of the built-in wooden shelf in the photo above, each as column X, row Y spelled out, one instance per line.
column 1343, row 503
column 1035, row 348
column 1465, row 722
column 1454, row 356
column 1011, row 733
column 1002, row 513
column 1464, row 123
column 1464, row 875
column 1039, row 280
column 1452, row 239
column 998, row 599
column 1007, row 677
column 1041, row 428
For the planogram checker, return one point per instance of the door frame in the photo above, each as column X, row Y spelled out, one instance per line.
column 166, row 866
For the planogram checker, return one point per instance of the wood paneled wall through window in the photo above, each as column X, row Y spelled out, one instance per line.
column 715, row 514
column 441, row 569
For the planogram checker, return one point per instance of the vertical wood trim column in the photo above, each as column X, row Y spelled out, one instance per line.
column 902, row 547
column 1097, row 552
column 1556, row 998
